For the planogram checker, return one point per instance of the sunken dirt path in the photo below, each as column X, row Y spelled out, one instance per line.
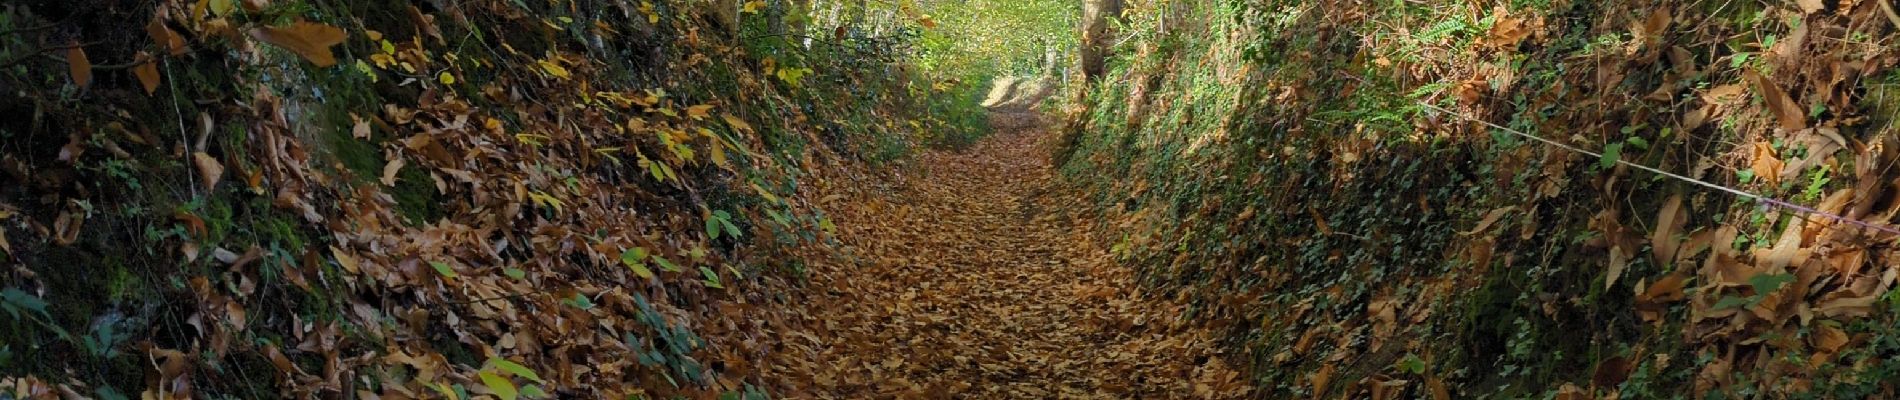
column 967, row 279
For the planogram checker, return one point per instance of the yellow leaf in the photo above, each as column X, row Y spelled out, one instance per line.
column 147, row 72
column 719, row 156
column 223, row 7
column 699, row 112
column 546, row 200
column 446, row 78
column 81, row 66
column 310, row 40
column 736, row 123
column 753, row 6
column 792, row 76
column 554, row 68
column 501, row 386
column 366, row 70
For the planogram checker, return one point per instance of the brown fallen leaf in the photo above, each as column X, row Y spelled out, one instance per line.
column 1490, row 218
column 1827, row 338
column 1789, row 113
column 1786, row 248
column 1667, row 289
column 208, row 168
column 1611, row 372
column 1320, row 379
column 1766, row 166
column 1619, row 261
column 1669, row 223
column 310, row 40
column 79, row 65
column 166, row 38
column 147, row 72
column 391, row 169
column 1319, row 221
column 360, row 128
column 1810, row 6
column 1847, row 306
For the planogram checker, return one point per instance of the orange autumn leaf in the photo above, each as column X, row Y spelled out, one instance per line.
column 81, row 67
column 310, row 40
column 167, row 39
column 147, row 72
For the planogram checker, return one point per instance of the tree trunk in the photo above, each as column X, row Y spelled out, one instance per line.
column 1096, row 29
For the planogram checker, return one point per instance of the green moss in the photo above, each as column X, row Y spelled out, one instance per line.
column 416, row 198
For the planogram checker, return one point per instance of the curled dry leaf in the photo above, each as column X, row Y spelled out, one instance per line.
column 1619, row 261
column 310, row 40
column 1669, row 223
column 1490, row 218
column 390, row 170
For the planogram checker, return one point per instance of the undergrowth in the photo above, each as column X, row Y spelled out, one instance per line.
column 1285, row 166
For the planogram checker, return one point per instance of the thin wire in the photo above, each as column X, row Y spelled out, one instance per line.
column 1737, row 192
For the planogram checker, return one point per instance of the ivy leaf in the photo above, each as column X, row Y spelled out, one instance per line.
column 1768, row 283
column 1411, row 363
column 515, row 273
column 1639, row 142
column 1611, row 154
